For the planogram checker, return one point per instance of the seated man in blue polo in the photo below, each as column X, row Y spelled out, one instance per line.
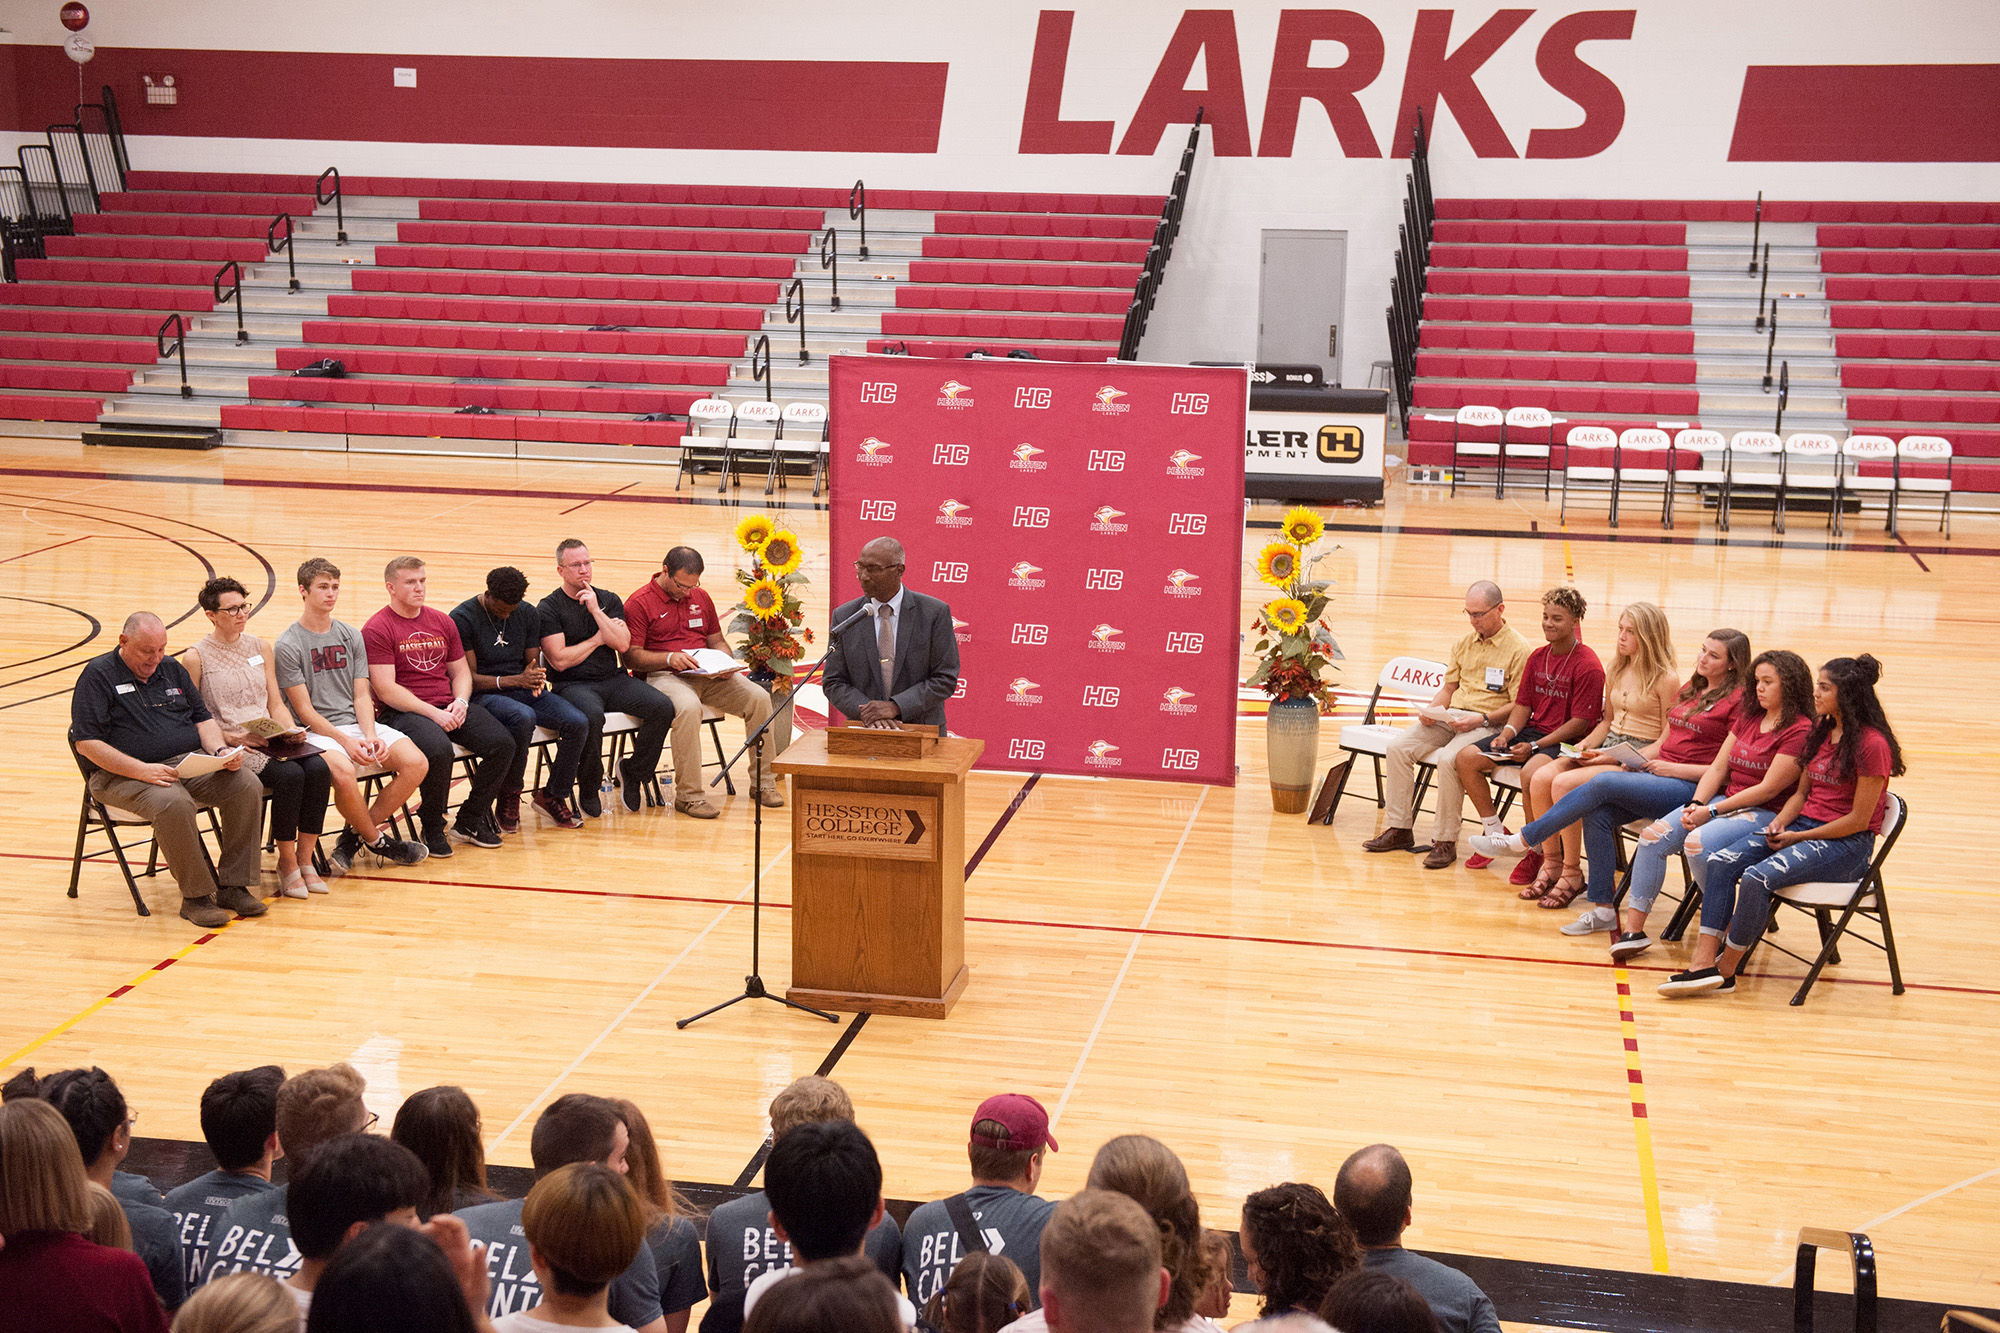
column 134, row 716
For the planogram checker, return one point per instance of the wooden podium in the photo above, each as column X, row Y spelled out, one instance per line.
column 878, row 869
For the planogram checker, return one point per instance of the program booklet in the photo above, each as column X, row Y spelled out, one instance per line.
column 714, row 662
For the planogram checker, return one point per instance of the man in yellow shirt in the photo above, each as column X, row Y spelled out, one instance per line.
column 1479, row 684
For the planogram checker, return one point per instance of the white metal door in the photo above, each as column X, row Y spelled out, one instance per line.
column 1302, row 299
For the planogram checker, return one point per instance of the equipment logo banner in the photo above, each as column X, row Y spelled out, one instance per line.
column 1084, row 523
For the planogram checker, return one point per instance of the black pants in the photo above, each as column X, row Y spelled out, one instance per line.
column 299, row 788
column 619, row 694
column 492, row 749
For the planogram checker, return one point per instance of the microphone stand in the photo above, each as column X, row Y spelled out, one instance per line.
column 753, row 985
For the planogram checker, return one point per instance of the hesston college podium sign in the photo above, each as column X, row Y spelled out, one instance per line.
column 850, row 823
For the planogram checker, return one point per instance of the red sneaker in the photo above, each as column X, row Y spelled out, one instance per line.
column 1478, row 862
column 1526, row 869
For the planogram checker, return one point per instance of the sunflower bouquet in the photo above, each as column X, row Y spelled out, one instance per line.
column 771, row 618
column 1294, row 644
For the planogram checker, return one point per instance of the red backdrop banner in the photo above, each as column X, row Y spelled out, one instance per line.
column 1085, row 524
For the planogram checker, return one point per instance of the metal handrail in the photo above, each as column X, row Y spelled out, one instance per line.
column 179, row 326
column 235, row 290
column 1762, row 284
column 796, row 314
column 47, row 222
column 1784, row 395
column 857, row 207
column 829, row 257
column 1771, row 346
column 115, row 128
column 1861, row 1250
column 283, row 245
column 1146, row 289
column 1757, row 230
column 322, row 198
column 760, row 363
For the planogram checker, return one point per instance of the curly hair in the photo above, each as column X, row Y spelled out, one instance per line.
column 1794, row 686
column 1568, row 598
column 1302, row 1245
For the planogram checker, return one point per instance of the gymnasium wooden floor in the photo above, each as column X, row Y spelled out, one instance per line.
column 1169, row 959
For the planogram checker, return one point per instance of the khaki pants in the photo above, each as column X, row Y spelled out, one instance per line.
column 1438, row 745
column 237, row 796
column 736, row 695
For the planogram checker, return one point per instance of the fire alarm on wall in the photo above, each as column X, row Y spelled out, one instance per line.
column 161, row 90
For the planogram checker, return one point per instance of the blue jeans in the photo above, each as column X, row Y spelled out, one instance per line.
column 1604, row 804
column 1649, row 863
column 521, row 711
column 1741, row 878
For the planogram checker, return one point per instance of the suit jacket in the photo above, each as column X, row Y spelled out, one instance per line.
column 926, row 671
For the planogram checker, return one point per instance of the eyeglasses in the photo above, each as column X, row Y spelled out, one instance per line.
column 373, row 1120
column 863, row 567
column 1474, row 615
column 240, row 610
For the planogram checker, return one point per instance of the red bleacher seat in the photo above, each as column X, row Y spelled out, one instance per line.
column 1913, row 289
column 1921, row 378
column 1714, row 210
column 1045, row 224
column 1471, row 232
column 1051, row 250
column 1943, row 408
column 1516, row 282
column 366, row 305
column 1973, row 263
column 78, row 349
column 1015, row 274
column 200, row 201
column 1586, row 311
column 615, row 238
column 1589, row 369
column 1039, row 300
column 89, row 323
column 49, row 407
column 104, row 296
column 1588, row 258
column 166, row 224
column 1939, row 317
column 506, row 260
column 207, row 250
column 1918, row 346
column 981, row 325
column 1910, row 237
column 1526, row 338
column 617, row 215
column 566, row 286
column 487, row 365
column 146, row 272
column 488, row 338
column 1099, row 351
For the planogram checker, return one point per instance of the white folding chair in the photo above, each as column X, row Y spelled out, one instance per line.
column 745, row 446
column 1411, row 680
column 1865, row 897
column 712, row 420
column 1527, row 419
column 1857, row 450
column 1756, row 458
column 1811, row 464
column 1588, row 437
column 809, row 420
column 1932, row 450
column 1713, row 448
column 1473, row 417
column 1645, row 458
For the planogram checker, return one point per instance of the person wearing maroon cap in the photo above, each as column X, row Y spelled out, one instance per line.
column 1001, row 1213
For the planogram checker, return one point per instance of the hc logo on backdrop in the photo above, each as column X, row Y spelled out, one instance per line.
column 1072, row 507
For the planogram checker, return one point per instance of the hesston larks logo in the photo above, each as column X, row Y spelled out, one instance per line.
column 954, row 394
column 1105, row 639
column 1021, row 576
column 1021, row 690
column 950, row 514
column 1102, row 520
column 961, row 630
column 1098, row 754
column 1178, row 461
column 1107, row 401
column 1024, row 459
column 874, row 453
column 1180, row 583
column 1174, row 701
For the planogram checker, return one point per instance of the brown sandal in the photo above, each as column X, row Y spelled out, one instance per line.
column 1545, row 879
column 1567, row 886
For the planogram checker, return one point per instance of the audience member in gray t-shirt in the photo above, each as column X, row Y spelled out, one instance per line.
column 1373, row 1192
column 1010, row 1135
column 327, row 665
column 155, row 1235
column 742, row 1245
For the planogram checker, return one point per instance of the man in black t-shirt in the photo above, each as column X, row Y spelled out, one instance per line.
column 134, row 716
column 583, row 631
column 504, row 640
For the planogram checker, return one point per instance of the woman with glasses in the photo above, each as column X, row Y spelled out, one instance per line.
column 238, row 678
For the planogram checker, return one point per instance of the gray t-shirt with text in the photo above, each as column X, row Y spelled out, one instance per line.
column 1010, row 1221
column 742, row 1245
column 327, row 665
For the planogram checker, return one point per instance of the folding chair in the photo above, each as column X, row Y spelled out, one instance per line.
column 1710, row 445
column 1865, row 898
column 1806, row 459
column 1588, row 437
column 711, row 414
column 757, row 415
column 619, row 728
column 1473, row 418
column 1930, row 450
column 1766, row 468
column 96, row 817
column 1857, row 450
column 809, row 444
column 1528, row 419
column 1407, row 680
column 1641, row 451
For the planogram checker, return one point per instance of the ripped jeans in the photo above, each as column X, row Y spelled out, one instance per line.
column 1649, row 862
column 1742, row 877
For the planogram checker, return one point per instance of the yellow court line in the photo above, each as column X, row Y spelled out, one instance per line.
column 1642, row 1129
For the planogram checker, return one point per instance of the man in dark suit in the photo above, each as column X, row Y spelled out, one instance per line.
column 899, row 662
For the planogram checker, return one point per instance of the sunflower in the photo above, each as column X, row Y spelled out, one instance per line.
column 766, row 599
column 780, row 553
column 1287, row 615
column 1303, row 527
column 1278, row 565
column 754, row 531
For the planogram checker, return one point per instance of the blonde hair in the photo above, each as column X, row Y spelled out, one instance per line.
column 399, row 564
column 1101, row 1252
column 585, row 1222
column 808, row 1101
column 1147, row 1171
column 42, row 1184
column 108, row 1226
column 318, row 1105
column 239, row 1303
column 657, row 1196
column 1655, row 657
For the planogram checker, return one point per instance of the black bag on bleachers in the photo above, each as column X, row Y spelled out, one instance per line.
column 1023, row 354
column 326, row 368
column 475, row 411
column 658, row 416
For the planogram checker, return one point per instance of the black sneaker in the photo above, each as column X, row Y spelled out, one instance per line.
column 345, row 848
column 438, row 844
column 586, row 801
column 480, row 834
column 1630, row 944
column 1697, row 981
column 398, row 851
column 631, row 787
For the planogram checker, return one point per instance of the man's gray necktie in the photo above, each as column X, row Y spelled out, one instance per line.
column 885, row 644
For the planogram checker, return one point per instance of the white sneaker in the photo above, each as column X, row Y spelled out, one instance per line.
column 1593, row 921
column 1507, row 844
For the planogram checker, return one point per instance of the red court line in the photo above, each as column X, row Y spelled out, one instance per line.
column 53, row 547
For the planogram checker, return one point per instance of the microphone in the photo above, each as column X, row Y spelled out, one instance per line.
column 860, row 613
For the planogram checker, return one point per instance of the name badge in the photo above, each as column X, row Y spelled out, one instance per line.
column 127, row 688
column 1496, row 678
column 256, row 659
column 694, row 622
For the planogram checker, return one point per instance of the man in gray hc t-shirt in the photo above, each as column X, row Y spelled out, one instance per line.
column 1010, row 1134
